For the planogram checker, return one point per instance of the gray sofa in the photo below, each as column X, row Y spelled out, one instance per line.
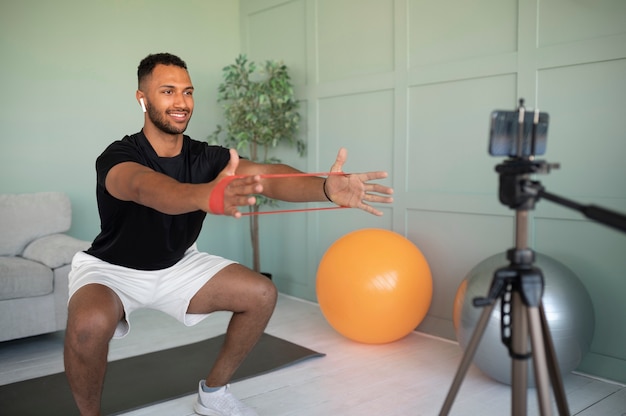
column 35, row 257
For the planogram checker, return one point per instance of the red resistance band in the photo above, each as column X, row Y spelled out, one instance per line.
column 216, row 198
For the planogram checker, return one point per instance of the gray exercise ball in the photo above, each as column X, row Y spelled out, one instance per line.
column 567, row 305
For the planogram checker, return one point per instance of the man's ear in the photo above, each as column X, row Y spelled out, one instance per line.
column 139, row 95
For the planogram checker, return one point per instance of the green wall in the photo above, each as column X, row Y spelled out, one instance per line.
column 408, row 86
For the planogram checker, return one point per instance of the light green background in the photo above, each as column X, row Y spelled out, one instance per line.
column 406, row 85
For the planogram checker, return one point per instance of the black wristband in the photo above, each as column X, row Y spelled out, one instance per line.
column 324, row 189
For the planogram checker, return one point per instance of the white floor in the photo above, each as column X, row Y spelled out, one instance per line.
column 408, row 377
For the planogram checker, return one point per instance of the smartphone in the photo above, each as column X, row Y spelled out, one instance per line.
column 504, row 136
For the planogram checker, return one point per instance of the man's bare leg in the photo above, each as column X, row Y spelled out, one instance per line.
column 252, row 298
column 93, row 313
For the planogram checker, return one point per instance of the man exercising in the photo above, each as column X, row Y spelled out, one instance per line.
column 153, row 191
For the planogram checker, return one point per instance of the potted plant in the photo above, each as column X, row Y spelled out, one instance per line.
column 261, row 113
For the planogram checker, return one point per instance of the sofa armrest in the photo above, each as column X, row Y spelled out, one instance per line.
column 54, row 250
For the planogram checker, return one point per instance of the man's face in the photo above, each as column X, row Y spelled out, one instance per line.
column 169, row 94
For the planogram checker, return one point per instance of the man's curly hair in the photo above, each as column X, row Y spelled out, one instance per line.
column 147, row 64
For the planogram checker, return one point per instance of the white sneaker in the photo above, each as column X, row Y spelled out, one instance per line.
column 220, row 403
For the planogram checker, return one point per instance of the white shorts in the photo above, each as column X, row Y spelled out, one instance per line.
column 169, row 290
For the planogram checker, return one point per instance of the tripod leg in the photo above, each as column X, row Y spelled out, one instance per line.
column 539, row 361
column 519, row 362
column 467, row 358
column 553, row 368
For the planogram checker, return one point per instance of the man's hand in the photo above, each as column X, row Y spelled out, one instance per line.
column 234, row 192
column 355, row 190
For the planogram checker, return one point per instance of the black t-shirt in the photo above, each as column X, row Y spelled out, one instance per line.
column 135, row 236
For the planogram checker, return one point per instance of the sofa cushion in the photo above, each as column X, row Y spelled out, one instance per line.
column 21, row 278
column 54, row 250
column 25, row 217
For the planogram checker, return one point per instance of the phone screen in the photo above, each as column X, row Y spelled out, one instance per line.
column 504, row 132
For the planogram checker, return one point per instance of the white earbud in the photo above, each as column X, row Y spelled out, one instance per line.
column 143, row 105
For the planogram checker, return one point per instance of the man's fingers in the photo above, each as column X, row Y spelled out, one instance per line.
column 340, row 160
column 232, row 191
column 379, row 189
column 245, row 186
column 240, row 193
column 233, row 210
column 370, row 176
column 371, row 210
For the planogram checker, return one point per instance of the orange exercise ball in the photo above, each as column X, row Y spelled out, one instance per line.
column 374, row 286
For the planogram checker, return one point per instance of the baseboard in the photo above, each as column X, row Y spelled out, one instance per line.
column 603, row 367
column 442, row 328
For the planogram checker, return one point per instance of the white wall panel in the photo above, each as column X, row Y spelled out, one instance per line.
column 563, row 21
column 355, row 38
column 449, row 131
column 451, row 30
column 362, row 123
column 285, row 41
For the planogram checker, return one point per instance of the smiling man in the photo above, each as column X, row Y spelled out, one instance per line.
column 153, row 190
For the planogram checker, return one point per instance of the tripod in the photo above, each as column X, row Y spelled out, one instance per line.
column 519, row 286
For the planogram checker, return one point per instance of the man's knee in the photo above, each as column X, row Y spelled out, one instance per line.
column 267, row 293
column 90, row 328
column 92, row 317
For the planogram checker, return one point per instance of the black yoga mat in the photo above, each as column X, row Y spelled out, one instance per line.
column 147, row 379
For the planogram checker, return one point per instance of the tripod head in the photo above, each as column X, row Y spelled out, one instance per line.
column 516, row 190
column 521, row 135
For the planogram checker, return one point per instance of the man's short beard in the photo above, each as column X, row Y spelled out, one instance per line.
column 159, row 121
